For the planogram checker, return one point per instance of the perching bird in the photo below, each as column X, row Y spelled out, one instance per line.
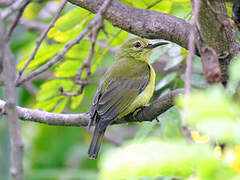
column 128, row 84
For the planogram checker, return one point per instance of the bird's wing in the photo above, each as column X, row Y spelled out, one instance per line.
column 119, row 91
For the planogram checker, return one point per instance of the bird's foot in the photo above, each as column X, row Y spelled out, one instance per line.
column 139, row 109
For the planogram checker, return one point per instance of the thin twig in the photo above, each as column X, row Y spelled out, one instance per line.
column 41, row 38
column 16, row 141
column 86, row 65
column 191, row 52
column 31, row 25
column 6, row 2
column 158, row 107
column 191, row 47
column 11, row 9
column 153, row 4
column 30, row 88
column 17, row 18
column 67, row 46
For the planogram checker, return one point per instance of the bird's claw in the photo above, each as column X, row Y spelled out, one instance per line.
column 139, row 109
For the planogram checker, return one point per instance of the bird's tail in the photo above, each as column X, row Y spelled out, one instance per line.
column 96, row 142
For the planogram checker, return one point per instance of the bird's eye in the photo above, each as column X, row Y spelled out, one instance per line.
column 137, row 45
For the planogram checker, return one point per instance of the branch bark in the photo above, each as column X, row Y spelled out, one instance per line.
column 68, row 46
column 217, row 33
column 9, row 77
column 142, row 22
column 150, row 24
column 146, row 114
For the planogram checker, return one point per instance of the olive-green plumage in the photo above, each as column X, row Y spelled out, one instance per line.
column 128, row 84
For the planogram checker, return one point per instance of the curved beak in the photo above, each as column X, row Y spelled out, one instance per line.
column 156, row 44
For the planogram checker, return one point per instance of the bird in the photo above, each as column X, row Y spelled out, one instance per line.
column 127, row 85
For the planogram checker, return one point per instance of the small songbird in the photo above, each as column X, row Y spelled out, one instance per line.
column 128, row 84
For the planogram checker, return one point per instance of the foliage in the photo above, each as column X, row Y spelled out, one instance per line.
column 154, row 150
column 213, row 117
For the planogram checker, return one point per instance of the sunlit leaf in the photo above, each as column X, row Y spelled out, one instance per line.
column 164, row 6
column 68, row 68
column 76, row 100
column 199, row 138
column 79, row 51
column 181, row 9
column 61, row 105
column 32, row 10
column 50, row 88
column 120, row 38
column 208, row 106
column 43, row 54
column 72, row 18
column 236, row 161
column 153, row 158
column 69, row 34
column 213, row 114
column 48, row 105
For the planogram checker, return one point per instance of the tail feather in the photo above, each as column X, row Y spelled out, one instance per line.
column 96, row 142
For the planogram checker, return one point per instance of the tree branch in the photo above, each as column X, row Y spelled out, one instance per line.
column 68, row 46
column 146, row 114
column 17, row 18
column 41, row 38
column 217, row 33
column 11, row 9
column 142, row 22
column 156, row 25
column 9, row 76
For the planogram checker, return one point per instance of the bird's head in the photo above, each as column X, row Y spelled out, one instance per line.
column 137, row 48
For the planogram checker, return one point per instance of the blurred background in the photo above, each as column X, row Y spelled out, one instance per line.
column 60, row 153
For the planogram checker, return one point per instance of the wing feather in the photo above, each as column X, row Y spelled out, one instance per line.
column 119, row 91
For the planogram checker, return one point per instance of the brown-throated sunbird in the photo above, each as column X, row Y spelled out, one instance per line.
column 128, row 84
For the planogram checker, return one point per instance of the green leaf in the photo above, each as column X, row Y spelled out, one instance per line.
column 61, row 105
column 69, row 34
column 144, row 130
column 164, row 6
column 171, row 123
column 208, row 106
column 48, row 105
column 50, row 88
column 153, row 158
column 181, row 9
column 212, row 113
column 166, row 80
column 221, row 131
column 79, row 51
column 120, row 38
column 215, row 170
column 114, row 35
column 139, row 4
column 68, row 68
column 43, row 54
column 76, row 100
column 71, row 19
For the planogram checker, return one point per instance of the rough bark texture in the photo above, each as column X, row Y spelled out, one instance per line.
column 142, row 22
column 146, row 114
column 216, row 32
column 214, row 27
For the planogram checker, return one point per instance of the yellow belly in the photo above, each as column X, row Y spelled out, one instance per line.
column 142, row 98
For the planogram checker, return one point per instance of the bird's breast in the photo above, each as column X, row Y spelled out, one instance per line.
column 142, row 98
